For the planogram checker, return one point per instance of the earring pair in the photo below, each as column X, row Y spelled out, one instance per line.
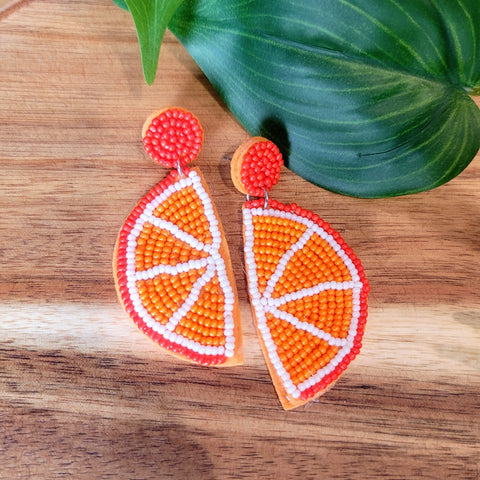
column 174, row 276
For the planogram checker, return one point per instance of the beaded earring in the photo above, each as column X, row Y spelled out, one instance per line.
column 171, row 263
column 307, row 288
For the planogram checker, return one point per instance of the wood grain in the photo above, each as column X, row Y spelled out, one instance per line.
column 84, row 395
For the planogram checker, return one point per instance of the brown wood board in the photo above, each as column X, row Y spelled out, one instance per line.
column 83, row 394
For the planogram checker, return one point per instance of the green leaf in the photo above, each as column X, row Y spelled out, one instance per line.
column 121, row 4
column 364, row 97
column 151, row 18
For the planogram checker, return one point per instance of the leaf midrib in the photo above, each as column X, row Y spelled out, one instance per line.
column 370, row 62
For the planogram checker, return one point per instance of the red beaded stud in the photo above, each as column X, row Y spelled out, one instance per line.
column 172, row 137
column 256, row 166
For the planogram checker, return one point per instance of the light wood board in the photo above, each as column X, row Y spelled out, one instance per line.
column 83, row 394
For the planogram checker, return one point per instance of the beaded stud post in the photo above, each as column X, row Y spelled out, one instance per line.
column 171, row 263
column 307, row 288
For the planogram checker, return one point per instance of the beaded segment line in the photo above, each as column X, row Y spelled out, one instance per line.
column 268, row 303
column 207, row 268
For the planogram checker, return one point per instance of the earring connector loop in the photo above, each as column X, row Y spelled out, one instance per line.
column 265, row 197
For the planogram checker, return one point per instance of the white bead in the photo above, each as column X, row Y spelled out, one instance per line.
column 270, row 345
column 209, row 349
column 290, row 388
column 276, row 362
column 262, row 328
column 335, row 361
column 256, row 304
column 307, row 383
column 250, row 264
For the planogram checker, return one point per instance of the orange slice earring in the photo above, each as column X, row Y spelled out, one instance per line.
column 171, row 263
column 307, row 288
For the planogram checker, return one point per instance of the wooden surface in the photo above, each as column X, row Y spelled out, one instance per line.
column 84, row 395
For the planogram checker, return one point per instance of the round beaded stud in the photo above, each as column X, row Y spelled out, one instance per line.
column 307, row 288
column 171, row 264
column 172, row 137
column 256, row 166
